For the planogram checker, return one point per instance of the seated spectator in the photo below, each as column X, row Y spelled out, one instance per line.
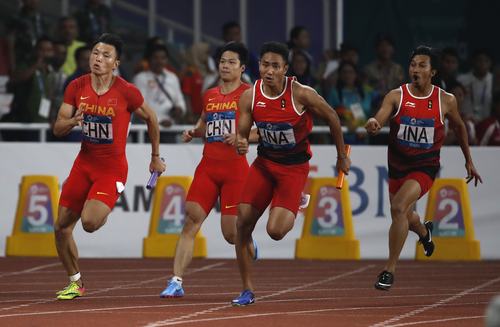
column 383, row 74
column 488, row 130
column 151, row 43
column 300, row 67
column 82, row 57
column 301, row 40
column 479, row 85
column 352, row 100
column 458, row 90
column 23, row 31
column 448, row 68
column 68, row 33
column 231, row 32
column 162, row 91
column 199, row 75
column 93, row 20
column 32, row 88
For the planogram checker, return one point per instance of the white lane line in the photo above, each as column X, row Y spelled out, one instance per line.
column 171, row 305
column 167, row 322
column 113, row 288
column 436, row 304
column 30, row 270
column 435, row 320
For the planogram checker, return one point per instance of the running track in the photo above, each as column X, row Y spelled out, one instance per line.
column 124, row 292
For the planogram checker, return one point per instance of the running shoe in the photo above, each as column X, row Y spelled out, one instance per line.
column 385, row 281
column 427, row 240
column 70, row 292
column 173, row 289
column 245, row 298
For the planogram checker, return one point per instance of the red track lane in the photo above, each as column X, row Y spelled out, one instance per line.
column 125, row 292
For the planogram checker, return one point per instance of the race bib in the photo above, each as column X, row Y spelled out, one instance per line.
column 276, row 135
column 416, row 133
column 219, row 124
column 97, row 129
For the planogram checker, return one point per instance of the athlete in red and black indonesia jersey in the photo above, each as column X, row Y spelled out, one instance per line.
column 221, row 172
column 282, row 109
column 104, row 104
column 416, row 112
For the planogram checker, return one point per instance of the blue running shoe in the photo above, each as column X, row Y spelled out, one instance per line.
column 255, row 250
column 245, row 298
column 173, row 289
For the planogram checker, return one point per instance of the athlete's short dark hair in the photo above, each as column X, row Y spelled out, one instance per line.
column 237, row 47
column 426, row 51
column 275, row 47
column 111, row 39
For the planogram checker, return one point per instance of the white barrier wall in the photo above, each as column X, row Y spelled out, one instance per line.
column 128, row 224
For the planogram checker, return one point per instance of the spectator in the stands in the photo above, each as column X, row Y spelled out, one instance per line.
column 68, row 34
column 23, row 31
column 199, row 75
column 57, row 78
column 32, row 88
column 231, row 32
column 488, row 130
column 300, row 39
column 82, row 56
column 300, row 67
column 479, row 85
column 162, row 91
column 93, row 20
column 383, row 74
column 459, row 91
column 448, row 68
column 151, row 43
column 352, row 100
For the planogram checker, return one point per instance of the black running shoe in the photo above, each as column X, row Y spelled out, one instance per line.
column 427, row 240
column 385, row 280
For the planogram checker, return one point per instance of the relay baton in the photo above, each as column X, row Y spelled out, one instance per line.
column 340, row 177
column 153, row 178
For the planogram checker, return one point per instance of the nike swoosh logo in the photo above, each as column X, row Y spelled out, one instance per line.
column 102, row 193
column 211, row 99
column 228, row 207
column 83, row 98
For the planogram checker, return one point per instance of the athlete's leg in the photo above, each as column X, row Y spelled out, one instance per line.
column 280, row 222
column 256, row 196
column 247, row 218
column 195, row 216
column 65, row 243
column 94, row 215
column 228, row 227
column 416, row 224
column 402, row 204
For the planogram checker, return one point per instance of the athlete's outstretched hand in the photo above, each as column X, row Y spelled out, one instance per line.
column 242, row 145
column 472, row 173
column 230, row 139
column 372, row 126
column 188, row 135
column 157, row 164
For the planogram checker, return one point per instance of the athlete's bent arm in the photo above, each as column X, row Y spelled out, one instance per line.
column 311, row 100
column 148, row 115
column 458, row 126
column 391, row 101
column 197, row 131
column 66, row 120
column 244, row 121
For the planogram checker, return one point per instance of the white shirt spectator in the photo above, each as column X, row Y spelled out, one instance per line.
column 477, row 102
column 161, row 99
